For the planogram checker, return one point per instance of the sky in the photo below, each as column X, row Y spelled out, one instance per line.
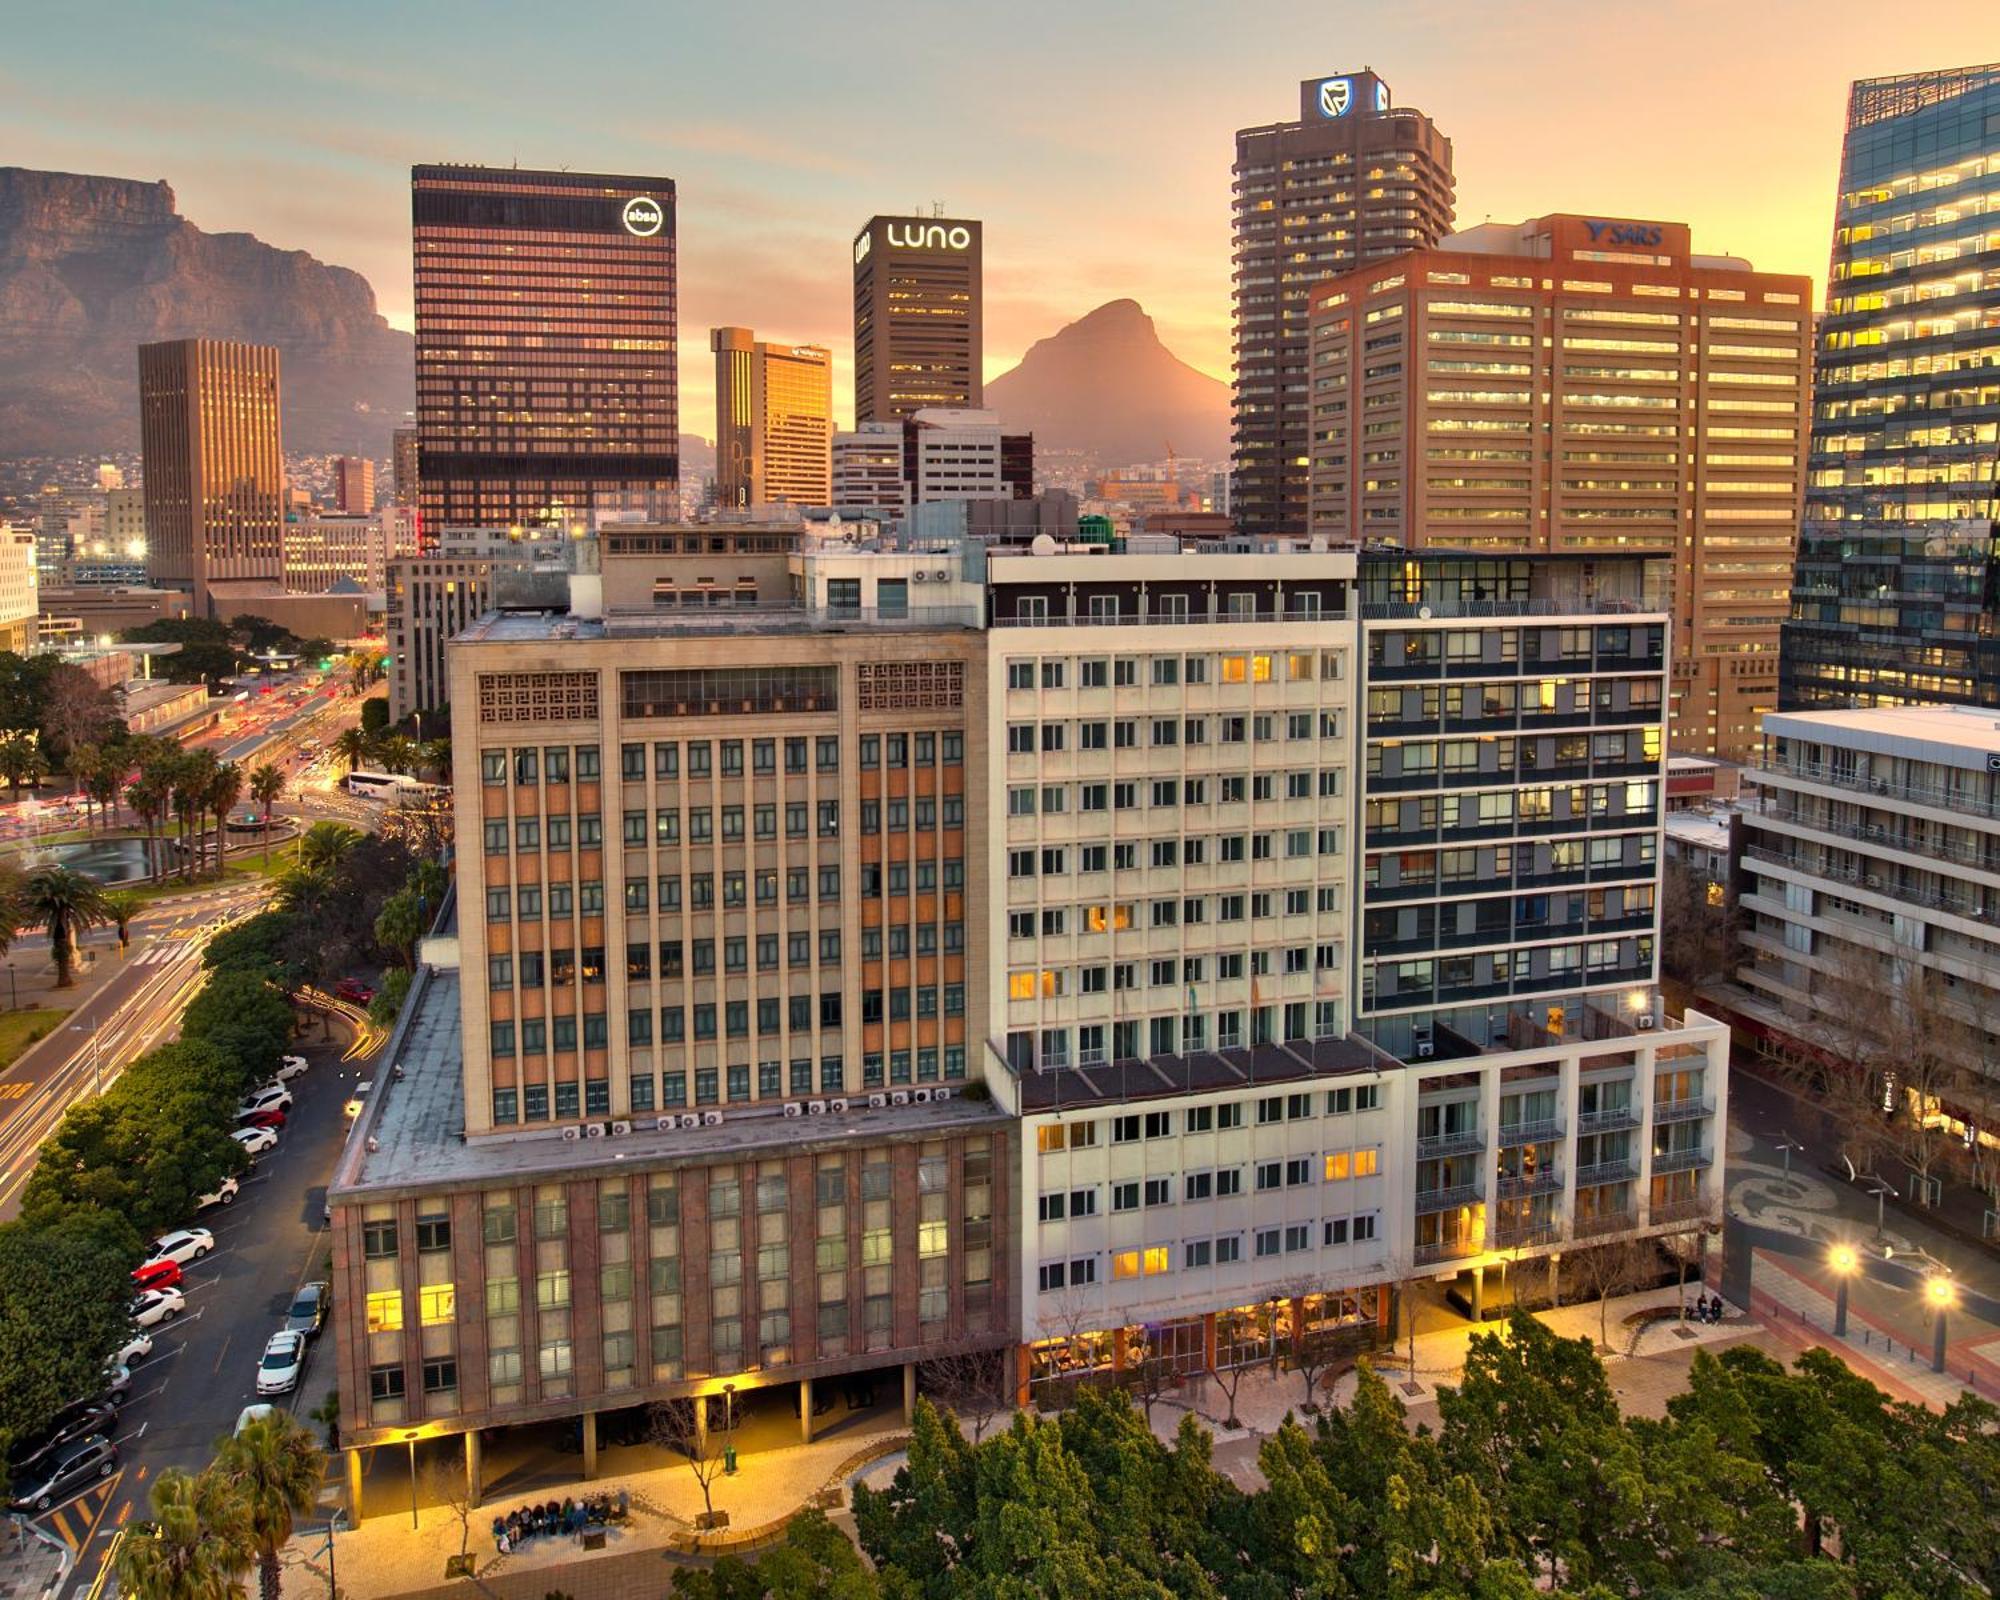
column 1093, row 138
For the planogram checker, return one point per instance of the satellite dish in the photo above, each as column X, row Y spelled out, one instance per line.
column 1424, row 612
column 1044, row 545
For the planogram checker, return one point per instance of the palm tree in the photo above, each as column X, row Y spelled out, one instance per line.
column 13, row 904
column 325, row 844
column 434, row 756
column 66, row 903
column 275, row 1469
column 121, row 906
column 267, row 787
column 148, row 796
column 22, row 761
column 191, row 777
column 101, row 781
column 397, row 753
column 196, row 1546
column 225, row 788
column 351, row 746
column 84, row 761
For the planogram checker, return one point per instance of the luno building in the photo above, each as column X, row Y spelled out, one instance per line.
column 919, row 337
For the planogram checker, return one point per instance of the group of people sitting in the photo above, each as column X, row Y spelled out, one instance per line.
column 567, row 1516
column 1708, row 1308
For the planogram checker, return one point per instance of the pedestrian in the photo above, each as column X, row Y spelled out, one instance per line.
column 1701, row 1307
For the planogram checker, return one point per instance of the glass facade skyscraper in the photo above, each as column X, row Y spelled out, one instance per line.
column 1897, row 594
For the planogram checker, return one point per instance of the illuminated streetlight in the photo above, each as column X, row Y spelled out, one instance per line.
column 1844, row 1261
column 1939, row 1292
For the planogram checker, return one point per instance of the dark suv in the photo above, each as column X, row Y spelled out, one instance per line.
column 62, row 1470
column 77, row 1420
column 308, row 1310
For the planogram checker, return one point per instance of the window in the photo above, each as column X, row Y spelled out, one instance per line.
column 378, row 1240
column 434, row 1231
column 385, row 1311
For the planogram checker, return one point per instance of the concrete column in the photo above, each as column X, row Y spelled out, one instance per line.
column 1023, row 1367
column 909, row 1391
column 474, row 1488
column 590, row 1444
column 701, row 1426
column 1478, row 1294
column 805, row 1411
column 1555, row 1272
column 354, row 1488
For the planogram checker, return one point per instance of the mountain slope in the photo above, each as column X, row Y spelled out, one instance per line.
column 93, row 267
column 1106, row 386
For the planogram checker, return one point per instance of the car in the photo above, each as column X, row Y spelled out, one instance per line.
column 308, row 1309
column 77, row 1420
column 155, row 1306
column 358, row 1099
column 263, row 1119
column 255, row 1141
column 182, row 1245
column 271, row 1097
column 283, row 1359
column 354, row 991
column 289, row 1067
column 157, row 1274
column 133, row 1350
column 250, row 1414
column 117, row 1383
column 63, row 1472
column 223, row 1194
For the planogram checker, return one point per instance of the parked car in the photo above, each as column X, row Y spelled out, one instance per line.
column 154, row 1306
column 117, row 1383
column 263, row 1119
column 358, row 1099
column 157, row 1274
column 77, row 1420
column 250, row 1414
column 255, row 1141
column 289, row 1067
column 133, row 1350
column 284, row 1358
column 354, row 991
column 63, row 1472
column 223, row 1194
column 271, row 1097
column 308, row 1311
column 182, row 1245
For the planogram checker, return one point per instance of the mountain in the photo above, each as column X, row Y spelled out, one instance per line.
column 92, row 267
column 1106, row 386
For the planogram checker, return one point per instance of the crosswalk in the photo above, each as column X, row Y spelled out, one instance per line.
column 76, row 1521
column 155, row 955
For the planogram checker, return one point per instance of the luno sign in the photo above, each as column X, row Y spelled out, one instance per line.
column 928, row 236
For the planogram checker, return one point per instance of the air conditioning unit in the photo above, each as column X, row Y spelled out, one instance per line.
column 899, row 1097
column 877, row 1101
column 572, row 1133
column 837, row 1107
column 593, row 1130
column 621, row 1128
column 923, row 1097
column 794, row 1109
column 939, row 576
column 1425, row 1050
column 1648, row 1020
column 920, row 577
column 940, row 1094
column 666, row 1124
column 690, row 1120
column 815, row 1108
column 711, row 1119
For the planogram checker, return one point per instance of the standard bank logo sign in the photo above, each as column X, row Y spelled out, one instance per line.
column 1336, row 97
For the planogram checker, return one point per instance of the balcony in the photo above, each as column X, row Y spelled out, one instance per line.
column 1985, row 859
column 1444, row 1250
column 1600, row 1172
column 1459, row 1194
column 1695, row 1210
column 1599, row 1223
column 1515, row 1185
column 1922, row 794
column 1683, row 1110
column 1886, row 886
column 1513, row 1134
column 1451, row 1144
column 1665, row 1161
column 1526, row 1235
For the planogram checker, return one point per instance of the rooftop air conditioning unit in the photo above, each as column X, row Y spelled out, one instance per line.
column 1425, row 1050
column 711, row 1119
column 940, row 1094
column 593, row 1130
column 666, row 1124
column 899, row 1097
column 621, row 1128
column 572, row 1133
column 837, row 1107
column 920, row 577
column 690, row 1120
column 1648, row 1020
column 815, row 1108
column 794, row 1109
column 877, row 1101
column 923, row 1097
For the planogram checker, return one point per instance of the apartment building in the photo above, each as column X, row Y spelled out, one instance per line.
column 1572, row 384
column 1872, row 866
column 868, row 469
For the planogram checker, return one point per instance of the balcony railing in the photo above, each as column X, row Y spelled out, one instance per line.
column 1879, row 883
column 1922, row 794
column 1520, row 1133
column 1607, row 1121
column 1451, row 1144
column 1444, row 1250
column 1599, row 1172
column 1459, row 1194
column 1526, row 1235
column 1603, row 1222
column 1665, row 1161
column 1987, row 858
column 1514, row 1185
column 1683, row 1110
column 1693, row 1210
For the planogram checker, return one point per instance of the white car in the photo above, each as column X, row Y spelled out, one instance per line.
column 154, row 1306
column 289, row 1067
column 271, row 1097
column 224, row 1194
column 255, row 1141
column 132, row 1351
column 283, row 1360
column 250, row 1414
column 182, row 1246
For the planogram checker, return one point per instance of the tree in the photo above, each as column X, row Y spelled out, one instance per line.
column 66, row 903
column 267, row 787
column 77, row 711
column 63, row 1295
column 22, row 761
column 192, row 778
column 325, row 845
column 1604, row 1270
column 206, row 653
column 101, row 781
column 672, row 1424
column 242, row 1016
column 351, row 745
column 195, row 1547
column 388, row 1002
column 971, row 1384
column 1697, row 926
column 448, row 1488
column 1228, row 1380
column 434, row 757
column 149, row 796
column 400, row 925
column 374, row 716
column 274, row 1468
column 225, row 788
column 121, row 906
column 267, row 945
column 816, row 1562
column 13, row 904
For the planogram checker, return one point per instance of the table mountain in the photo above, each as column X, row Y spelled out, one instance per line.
column 93, row 267
column 1106, row 386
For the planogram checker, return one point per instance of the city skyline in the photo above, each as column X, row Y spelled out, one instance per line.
column 771, row 196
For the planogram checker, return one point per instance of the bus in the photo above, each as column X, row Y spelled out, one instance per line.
column 378, row 785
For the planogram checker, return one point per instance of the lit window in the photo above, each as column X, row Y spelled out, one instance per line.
column 1124, row 1264
column 1021, row 986
column 437, row 1304
column 1156, row 1260
column 1336, row 1165
column 385, row 1311
column 1366, row 1163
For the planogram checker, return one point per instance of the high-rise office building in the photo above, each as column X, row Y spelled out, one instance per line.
column 1578, row 385
column 1897, row 594
column 773, row 421
column 545, row 309
column 1353, row 180
column 354, row 485
column 403, row 466
column 918, row 326
column 868, row 468
column 214, row 466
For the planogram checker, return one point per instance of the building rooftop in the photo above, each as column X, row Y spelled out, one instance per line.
column 1266, row 1066
column 411, row 1133
column 1959, row 736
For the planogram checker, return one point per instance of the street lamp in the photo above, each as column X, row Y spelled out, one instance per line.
column 1844, row 1261
column 411, row 1439
column 1939, row 1292
column 729, row 1428
column 96, row 1053
column 1785, row 1148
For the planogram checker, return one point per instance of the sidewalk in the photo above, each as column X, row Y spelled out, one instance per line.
column 30, row 1565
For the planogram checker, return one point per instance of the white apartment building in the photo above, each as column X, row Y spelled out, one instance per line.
column 20, row 591
column 868, row 469
column 956, row 456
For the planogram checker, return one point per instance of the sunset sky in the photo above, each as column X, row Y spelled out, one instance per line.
column 1093, row 138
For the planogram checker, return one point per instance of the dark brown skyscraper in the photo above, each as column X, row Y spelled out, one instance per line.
column 919, row 335
column 215, row 469
column 1351, row 181
column 545, row 346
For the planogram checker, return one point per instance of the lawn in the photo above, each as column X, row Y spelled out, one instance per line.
column 19, row 1029
column 244, row 868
